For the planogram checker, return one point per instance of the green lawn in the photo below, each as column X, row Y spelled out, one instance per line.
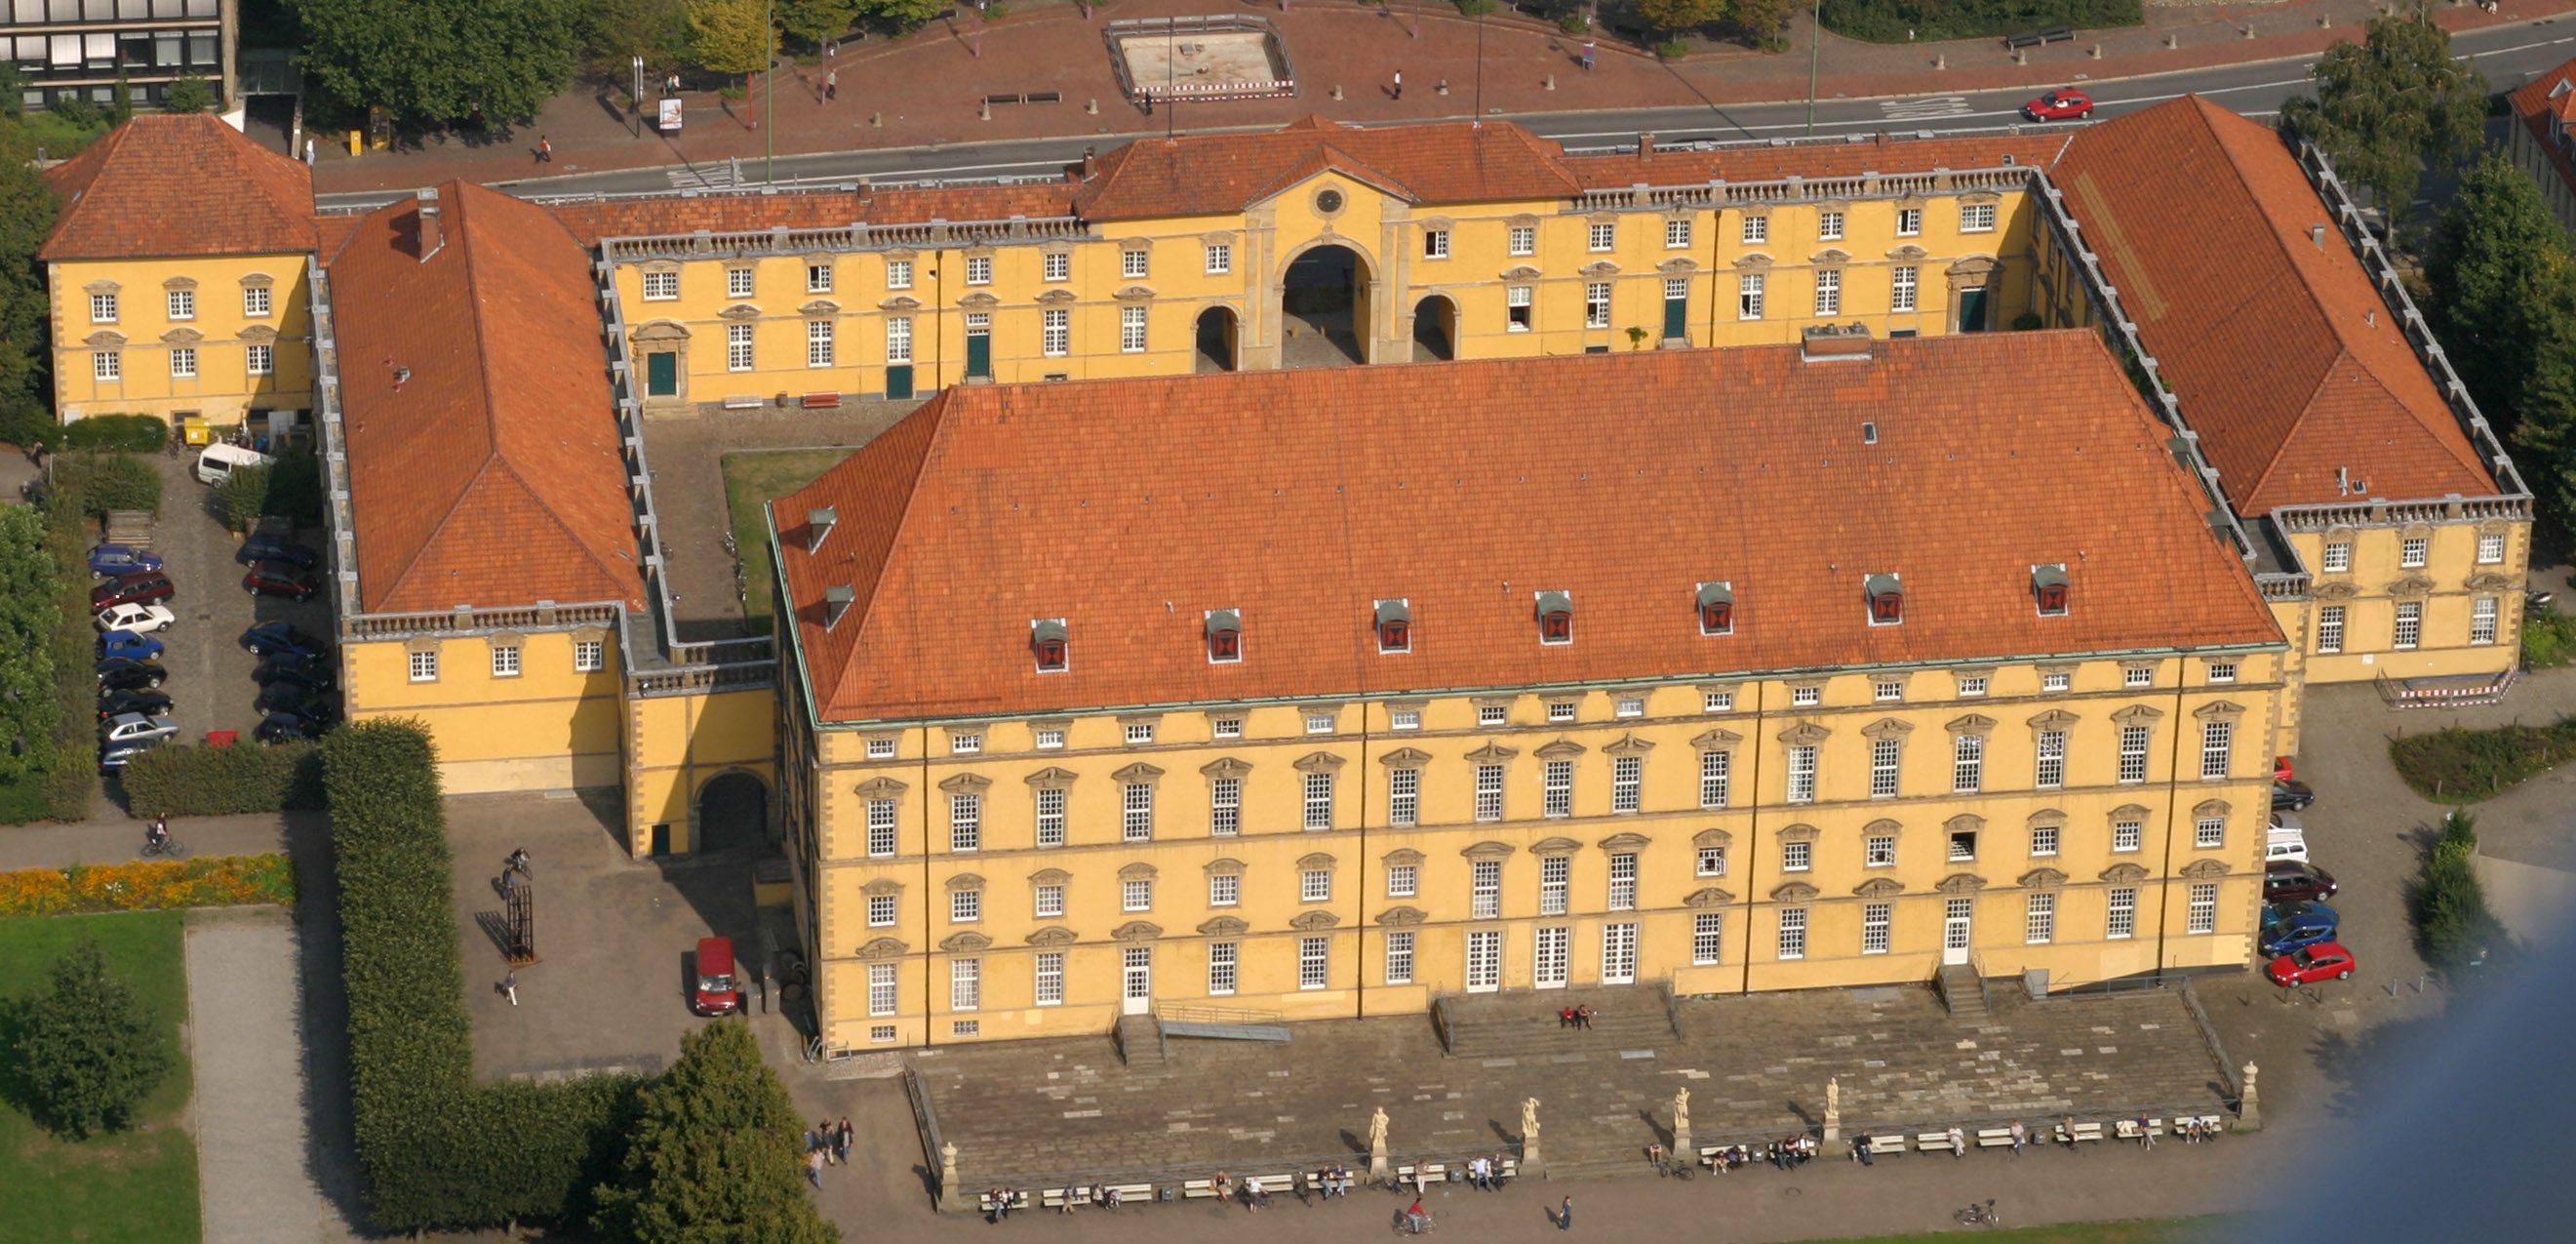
column 751, row 481
column 2150, row 1231
column 138, row 1186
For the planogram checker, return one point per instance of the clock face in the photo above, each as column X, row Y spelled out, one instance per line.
column 1329, row 202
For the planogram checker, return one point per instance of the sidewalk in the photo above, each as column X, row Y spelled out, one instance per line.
column 112, row 838
column 926, row 88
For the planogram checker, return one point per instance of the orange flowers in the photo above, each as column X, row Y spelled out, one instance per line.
column 148, row 885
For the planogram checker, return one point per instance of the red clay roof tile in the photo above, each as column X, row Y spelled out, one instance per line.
column 2546, row 106
column 1882, row 154
column 179, row 184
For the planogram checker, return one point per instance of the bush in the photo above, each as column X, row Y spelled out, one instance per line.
column 715, row 1152
column 2453, row 926
column 244, row 496
column 109, row 481
column 1672, row 49
column 142, row 434
column 1889, row 21
column 175, row 780
column 2464, row 766
column 149, row 885
column 1572, row 23
column 69, row 780
column 292, row 489
column 88, row 1051
column 2548, row 638
column 2028, row 321
column 188, row 94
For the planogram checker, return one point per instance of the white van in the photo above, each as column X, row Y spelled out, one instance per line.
column 218, row 462
column 2287, row 839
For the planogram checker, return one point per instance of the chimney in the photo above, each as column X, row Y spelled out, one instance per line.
column 2317, row 234
column 818, row 524
column 433, row 234
column 1645, row 146
column 837, row 601
column 1090, row 162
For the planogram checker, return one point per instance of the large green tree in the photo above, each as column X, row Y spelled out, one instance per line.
column 817, row 20
column 26, row 216
column 1672, row 15
column 2496, row 253
column 731, row 36
column 2390, row 105
column 440, row 60
column 713, row 1156
column 2545, row 439
column 903, row 14
column 617, row 31
column 88, row 1048
column 30, row 606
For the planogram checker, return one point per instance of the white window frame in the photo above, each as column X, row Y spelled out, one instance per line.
column 1131, row 330
column 2044, row 840
column 589, row 656
column 965, row 984
column 2049, row 773
column 1757, row 230
column 1220, row 258
column 1136, row 895
column 965, row 821
column 1056, row 266
column 1677, row 233
column 2208, row 833
column 259, row 359
column 1627, row 783
column 182, row 304
column 739, row 282
column 965, row 906
column 1223, row 962
column 1055, row 333
column 882, row 816
column 1319, row 801
column 884, row 910
column 1403, row 797
column 1485, row 889
column 898, row 339
column 1909, row 222
column 1709, row 862
column 818, row 277
column 1435, row 244
column 2329, row 629
column 2490, row 550
column 2039, row 918
column 738, row 347
column 1403, row 880
column 1489, row 793
column 1708, row 938
column 1596, row 304
column 1225, row 890
column 1315, row 885
column 1716, row 777
column 979, row 269
column 2413, row 552
column 2120, row 920
column 2128, row 835
column 1797, row 856
column 2337, row 558
column 820, row 348
column 2482, row 620
column 424, row 666
column 1051, row 804
column 183, row 362
column 1623, row 881
column 2202, row 915
column 1049, row 987
column 102, row 308
column 1792, row 944
column 1556, row 789
column 1749, row 295
column 1600, row 237
column 1878, row 851
column 1516, row 298
column 1225, row 807
column 1314, row 963
column 1886, row 767
column 661, row 287
column 1904, row 280
column 106, row 365
column 1829, row 291
column 1522, row 240
column 1802, row 773
column 1047, row 901
column 1134, row 262
column 2217, row 749
column 505, row 660
column 1399, row 957
column 1976, row 218
column 1136, row 811
column 1967, row 764
column 1829, row 226
column 2134, row 742
column 882, row 996
column 1555, row 885
column 1877, row 921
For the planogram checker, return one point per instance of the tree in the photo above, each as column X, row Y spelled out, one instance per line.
column 30, row 604
column 2391, row 104
column 817, row 20
column 1766, row 18
column 618, row 31
column 1671, row 15
column 26, row 215
column 713, row 1153
column 732, row 36
column 188, row 94
column 439, row 60
column 2546, row 403
column 2496, row 255
column 89, row 1049
column 903, row 14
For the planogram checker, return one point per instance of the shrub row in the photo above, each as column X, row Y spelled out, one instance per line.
column 70, row 779
column 109, row 481
column 148, row 885
column 142, row 434
column 2459, row 765
column 437, row 1149
column 2453, row 925
column 178, row 780
column 291, row 489
column 1894, row 21
column 2548, row 637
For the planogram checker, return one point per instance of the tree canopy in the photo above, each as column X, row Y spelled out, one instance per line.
column 2496, row 253
column 731, row 36
column 30, row 606
column 26, row 215
column 2390, row 105
column 713, row 1155
column 817, row 20
column 87, row 1047
column 440, row 60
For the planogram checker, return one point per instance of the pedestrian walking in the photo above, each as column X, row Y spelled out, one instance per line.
column 847, row 1138
column 1588, row 51
column 2018, row 1136
column 545, row 150
column 519, row 861
column 814, row 1169
column 831, row 86
column 1565, row 1214
column 1399, row 84
column 510, row 985
column 2146, row 1133
column 308, row 153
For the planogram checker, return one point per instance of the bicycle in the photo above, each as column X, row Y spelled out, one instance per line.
column 170, row 848
column 1405, row 1224
column 1977, row 1215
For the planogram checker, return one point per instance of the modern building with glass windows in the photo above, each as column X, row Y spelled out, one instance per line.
column 83, row 49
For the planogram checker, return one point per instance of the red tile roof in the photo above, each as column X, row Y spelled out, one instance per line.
column 1882, row 154
column 1129, row 508
column 2546, row 106
column 181, row 184
column 830, row 209
column 2287, row 361
column 491, row 474
column 1211, row 174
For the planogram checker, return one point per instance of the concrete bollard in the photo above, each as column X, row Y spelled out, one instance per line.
column 2097, row 51
column 1441, row 89
column 2325, row 21
column 2171, row 43
column 876, row 120
column 1337, row 90
column 985, row 111
column 2249, row 30
column 1941, row 62
column 1551, row 82
column 2021, row 57
column 1092, row 106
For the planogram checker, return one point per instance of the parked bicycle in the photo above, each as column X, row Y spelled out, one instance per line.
column 1416, row 1224
column 1977, row 1215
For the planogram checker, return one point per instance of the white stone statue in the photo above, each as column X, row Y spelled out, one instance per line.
column 1377, row 1131
column 1834, row 1096
column 1529, row 1118
column 1681, row 1111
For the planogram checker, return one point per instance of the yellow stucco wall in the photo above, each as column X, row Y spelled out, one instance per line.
column 677, row 744
column 142, row 336
column 2469, row 566
column 549, row 727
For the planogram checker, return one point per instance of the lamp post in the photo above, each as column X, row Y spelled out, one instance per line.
column 769, row 33
column 1815, row 53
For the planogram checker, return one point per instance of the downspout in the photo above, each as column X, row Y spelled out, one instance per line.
column 2173, row 815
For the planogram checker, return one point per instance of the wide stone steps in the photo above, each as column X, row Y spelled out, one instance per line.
column 1527, row 1025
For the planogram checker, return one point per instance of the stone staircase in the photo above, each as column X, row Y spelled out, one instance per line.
column 1962, row 993
column 1523, row 1025
column 1140, row 1042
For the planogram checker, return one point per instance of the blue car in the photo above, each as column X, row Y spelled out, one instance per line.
column 128, row 644
column 2312, row 924
column 280, row 639
column 112, row 560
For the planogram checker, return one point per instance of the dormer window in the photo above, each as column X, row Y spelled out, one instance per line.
column 2048, row 587
column 1395, row 626
column 1555, row 618
column 1886, row 599
column 1046, row 640
column 1224, row 636
column 1717, row 609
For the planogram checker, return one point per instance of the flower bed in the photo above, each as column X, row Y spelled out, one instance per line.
column 148, row 885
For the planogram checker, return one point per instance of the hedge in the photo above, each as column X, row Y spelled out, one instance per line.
column 148, row 885
column 2459, row 765
column 71, row 780
column 437, row 1149
column 1890, row 21
column 291, row 489
column 110, row 481
column 179, row 780
column 143, row 434
column 2453, row 925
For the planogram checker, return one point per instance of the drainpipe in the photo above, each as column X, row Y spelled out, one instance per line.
column 2173, row 817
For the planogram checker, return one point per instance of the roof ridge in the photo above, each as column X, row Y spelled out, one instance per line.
column 937, row 413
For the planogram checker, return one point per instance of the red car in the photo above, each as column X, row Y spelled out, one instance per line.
column 717, row 992
column 2064, row 104
column 2310, row 964
column 278, row 579
column 132, row 589
column 2281, row 770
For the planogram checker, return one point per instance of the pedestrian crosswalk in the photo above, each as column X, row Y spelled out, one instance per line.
column 722, row 176
column 1926, row 108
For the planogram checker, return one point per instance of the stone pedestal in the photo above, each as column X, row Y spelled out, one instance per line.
column 2248, row 1114
column 947, row 1173
column 1833, row 1110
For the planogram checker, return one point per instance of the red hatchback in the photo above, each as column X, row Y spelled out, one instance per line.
column 2059, row 105
column 133, row 589
column 717, row 992
column 2310, row 964
column 278, row 579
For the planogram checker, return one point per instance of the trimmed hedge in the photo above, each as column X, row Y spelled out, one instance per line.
column 180, row 780
column 110, row 481
column 439, row 1150
column 291, row 489
column 71, row 778
column 149, row 885
column 2459, row 765
column 1889, row 21
column 142, row 434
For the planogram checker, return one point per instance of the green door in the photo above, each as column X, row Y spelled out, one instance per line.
column 1972, row 311
column 899, row 382
column 1676, row 318
column 979, row 352
column 662, row 375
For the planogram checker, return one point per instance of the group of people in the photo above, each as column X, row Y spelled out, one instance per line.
column 1574, row 1017
column 1485, row 1173
column 825, row 1142
column 1336, row 1180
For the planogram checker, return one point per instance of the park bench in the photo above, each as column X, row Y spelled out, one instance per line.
column 2209, row 1122
column 2082, row 1132
column 987, row 1202
column 1427, row 1173
column 1059, row 1198
column 820, row 401
column 2035, row 38
column 1198, row 1189
column 1932, row 1142
column 1990, row 1137
column 1885, row 1145
column 2128, row 1129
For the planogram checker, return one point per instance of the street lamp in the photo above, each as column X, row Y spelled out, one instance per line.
column 1815, row 53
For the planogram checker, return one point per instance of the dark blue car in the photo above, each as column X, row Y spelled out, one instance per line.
column 281, row 639
column 111, row 560
column 128, row 644
column 276, row 549
column 2311, row 924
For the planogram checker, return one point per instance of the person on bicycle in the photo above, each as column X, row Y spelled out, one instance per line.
column 158, row 837
column 1415, row 1217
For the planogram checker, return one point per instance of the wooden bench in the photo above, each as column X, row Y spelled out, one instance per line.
column 1932, row 1142
column 2129, row 1129
column 1065, row 1198
column 1420, row 1176
column 2035, row 38
column 985, row 1202
column 2213, row 1124
column 1275, row 1185
column 820, row 401
column 1198, row 1189
column 2083, row 1132
column 1991, row 1137
column 1129, row 1194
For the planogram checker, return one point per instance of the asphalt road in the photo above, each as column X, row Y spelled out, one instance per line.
column 2507, row 55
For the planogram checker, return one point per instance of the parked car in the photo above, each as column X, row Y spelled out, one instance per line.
column 279, row 579
column 285, row 697
column 132, row 589
column 128, row 674
column 117, row 703
column 128, row 644
column 311, row 677
column 2291, row 796
column 2291, row 880
column 2281, row 771
column 717, row 992
column 2310, row 964
column 287, row 728
column 2292, row 908
column 127, row 727
column 2286, row 839
column 112, row 757
column 282, row 639
column 218, row 462
column 2309, row 927
column 140, row 619
column 276, row 549
column 111, row 560
column 2062, row 104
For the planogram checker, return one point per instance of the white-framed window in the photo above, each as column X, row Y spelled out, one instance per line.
column 1225, row 807
column 1221, row 961
column 1710, row 862
column 1748, row 296
column 1797, row 857
column 2411, row 552
column 882, row 910
column 2128, row 834
column 1708, row 937
column 1225, row 890
column 1596, row 304
column 260, row 360
column 1229, row 727
column 2056, row 680
column 2202, row 916
column 1050, row 983
column 2410, row 623
column 106, row 365
column 661, row 286
column 818, row 343
column 1319, row 801
column 2217, row 743
column 183, row 362
column 1314, row 962
column 1131, row 330
column 2222, row 671
column 2133, row 753
column 1963, row 845
column 1319, row 723
column 1138, row 733
column 1057, row 266
column 1909, row 222
column 898, row 338
column 738, row 282
column 1802, row 773
column 2490, row 550
column 2329, row 629
column 1220, row 258
column 1050, row 816
column 1793, row 932
column 1047, row 738
column 1623, row 881
column 1976, row 218
column 2123, row 919
column 505, row 660
column 1553, row 878
column 1716, row 772
column 1888, row 692
column 1405, row 719
column 1618, row 953
column 2209, row 832
column 1627, row 782
column 2039, row 919
column 1561, row 710
column 1489, row 792
column 881, row 995
column 1806, row 697
column 1136, row 811
column 255, row 300
column 965, row 821
column 1403, row 796
column 965, row 743
column 1972, row 684
column 1677, row 233
column 1050, row 901
column 881, row 749
column 965, row 984
column 2052, row 760
column 589, row 656
column 1399, row 958
column 1133, row 261
column 2043, row 840
column 979, row 269
column 1628, row 706
column 1402, row 880
column 1967, row 764
column 1055, row 333
column 1315, row 885
column 881, row 822
column 1886, row 758
column 1492, row 714
column 1516, row 308
column 102, row 308
column 1435, row 244
column 1829, row 226
column 1556, row 784
column 183, row 304
column 1757, row 230
column 2482, row 620
column 424, row 666
column 965, row 906
column 818, row 276
column 1522, row 240
column 1878, row 851
column 2138, row 676
column 1136, row 895
column 1829, row 292
column 1603, row 237
column 1485, row 890
column 738, row 355
column 1903, row 280
column 1875, row 921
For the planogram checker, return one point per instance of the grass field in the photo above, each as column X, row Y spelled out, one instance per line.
column 136, row 1187
column 752, row 480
